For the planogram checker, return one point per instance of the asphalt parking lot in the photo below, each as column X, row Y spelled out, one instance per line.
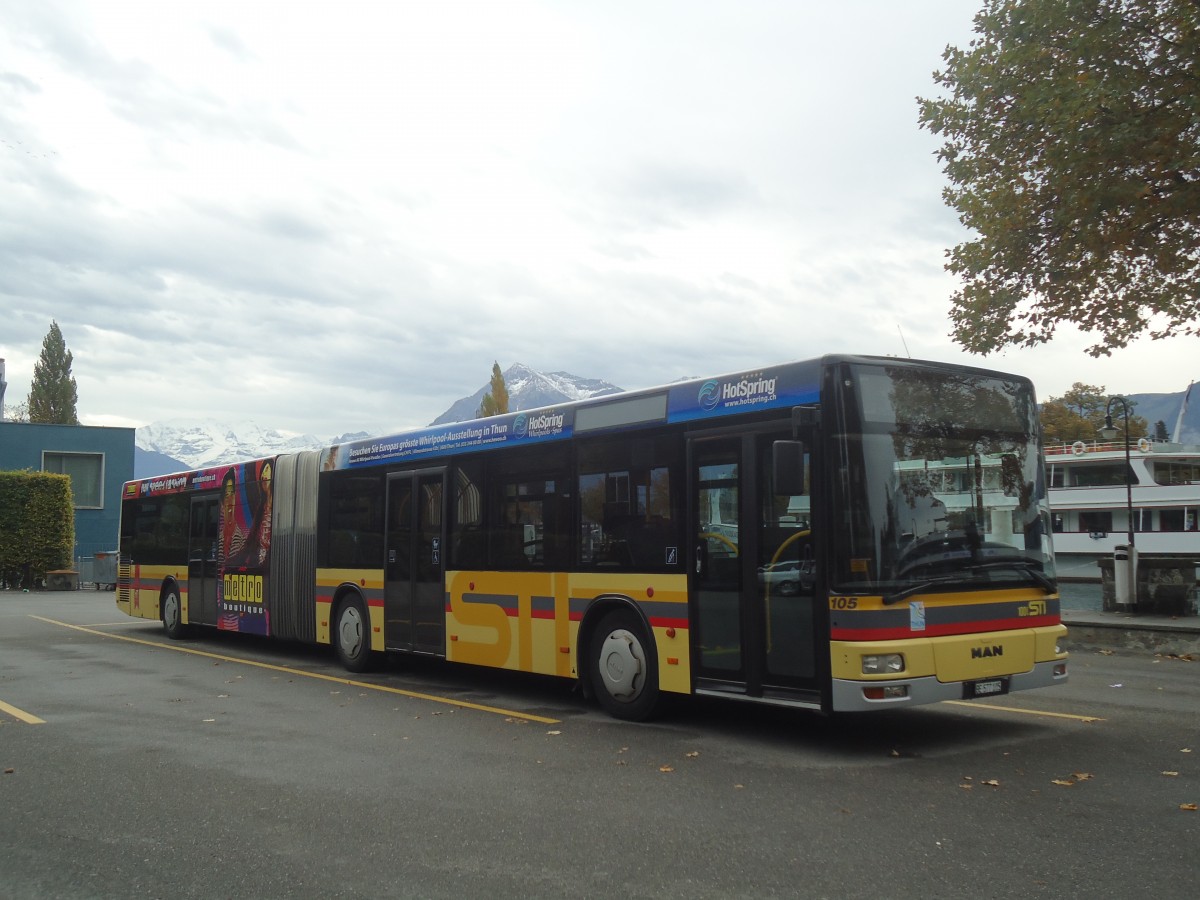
column 134, row 766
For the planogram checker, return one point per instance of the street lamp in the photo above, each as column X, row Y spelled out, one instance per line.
column 1108, row 432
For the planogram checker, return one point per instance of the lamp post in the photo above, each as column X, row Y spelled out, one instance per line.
column 1109, row 432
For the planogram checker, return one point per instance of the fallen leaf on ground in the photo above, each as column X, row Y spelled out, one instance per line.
column 666, row 768
column 991, row 782
column 553, row 732
column 1172, row 774
column 1189, row 806
column 693, row 754
column 1063, row 783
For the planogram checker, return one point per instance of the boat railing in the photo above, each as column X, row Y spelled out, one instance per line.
column 1082, row 448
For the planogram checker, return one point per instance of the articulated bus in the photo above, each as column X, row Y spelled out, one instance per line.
column 843, row 534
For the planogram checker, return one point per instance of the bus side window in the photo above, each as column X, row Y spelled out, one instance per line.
column 628, row 519
column 528, row 510
column 355, row 525
column 468, row 543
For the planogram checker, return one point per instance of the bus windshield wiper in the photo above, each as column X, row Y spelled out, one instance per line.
column 1025, row 567
column 920, row 588
column 1020, row 565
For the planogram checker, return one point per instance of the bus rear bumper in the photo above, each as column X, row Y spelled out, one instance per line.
column 851, row 696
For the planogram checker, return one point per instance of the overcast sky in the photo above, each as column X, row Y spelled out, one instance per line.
column 334, row 217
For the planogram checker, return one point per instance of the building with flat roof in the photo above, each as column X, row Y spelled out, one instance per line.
column 99, row 461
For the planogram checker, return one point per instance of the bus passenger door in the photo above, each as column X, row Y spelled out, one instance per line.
column 414, row 587
column 752, row 575
column 203, row 572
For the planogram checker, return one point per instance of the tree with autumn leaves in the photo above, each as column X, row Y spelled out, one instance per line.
column 1072, row 151
column 495, row 401
column 1079, row 414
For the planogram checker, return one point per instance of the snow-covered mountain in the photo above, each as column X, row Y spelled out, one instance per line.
column 165, row 447
column 528, row 389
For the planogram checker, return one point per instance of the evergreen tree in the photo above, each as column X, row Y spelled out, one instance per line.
column 52, row 395
column 495, row 402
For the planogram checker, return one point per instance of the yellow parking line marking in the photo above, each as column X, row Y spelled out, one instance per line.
column 28, row 718
column 416, row 695
column 1028, row 712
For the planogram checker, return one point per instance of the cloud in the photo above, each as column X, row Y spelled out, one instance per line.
column 337, row 218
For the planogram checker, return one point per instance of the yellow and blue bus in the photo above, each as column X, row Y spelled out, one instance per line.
column 842, row 534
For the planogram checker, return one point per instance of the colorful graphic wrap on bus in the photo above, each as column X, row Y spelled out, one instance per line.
column 244, row 546
column 242, row 550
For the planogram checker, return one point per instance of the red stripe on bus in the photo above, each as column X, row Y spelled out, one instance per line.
column 896, row 634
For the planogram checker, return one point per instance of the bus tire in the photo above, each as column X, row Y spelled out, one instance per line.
column 352, row 635
column 623, row 667
column 172, row 614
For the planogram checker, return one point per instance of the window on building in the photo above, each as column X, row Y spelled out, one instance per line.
column 87, row 476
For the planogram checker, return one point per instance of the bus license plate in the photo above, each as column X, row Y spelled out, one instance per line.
column 987, row 688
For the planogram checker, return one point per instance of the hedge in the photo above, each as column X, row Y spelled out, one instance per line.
column 37, row 526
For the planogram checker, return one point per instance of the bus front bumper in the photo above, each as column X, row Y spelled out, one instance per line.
column 860, row 696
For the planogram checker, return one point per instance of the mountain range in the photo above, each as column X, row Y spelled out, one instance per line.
column 165, row 447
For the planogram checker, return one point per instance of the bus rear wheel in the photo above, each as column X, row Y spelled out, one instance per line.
column 352, row 636
column 623, row 667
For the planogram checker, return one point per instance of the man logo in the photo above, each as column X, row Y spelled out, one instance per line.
column 987, row 652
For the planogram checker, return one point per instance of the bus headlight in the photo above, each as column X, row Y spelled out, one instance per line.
column 883, row 664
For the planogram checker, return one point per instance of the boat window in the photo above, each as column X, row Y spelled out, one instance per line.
column 1099, row 474
column 1176, row 473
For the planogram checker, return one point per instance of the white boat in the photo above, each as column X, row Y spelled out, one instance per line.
column 1090, row 506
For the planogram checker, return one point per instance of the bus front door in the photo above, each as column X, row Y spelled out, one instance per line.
column 413, row 589
column 203, row 571
column 752, row 575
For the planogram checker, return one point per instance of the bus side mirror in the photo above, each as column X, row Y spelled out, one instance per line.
column 787, row 467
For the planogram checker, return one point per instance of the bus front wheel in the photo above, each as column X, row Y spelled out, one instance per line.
column 623, row 667
column 352, row 636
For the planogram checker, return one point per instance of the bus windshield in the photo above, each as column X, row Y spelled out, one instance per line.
column 937, row 481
